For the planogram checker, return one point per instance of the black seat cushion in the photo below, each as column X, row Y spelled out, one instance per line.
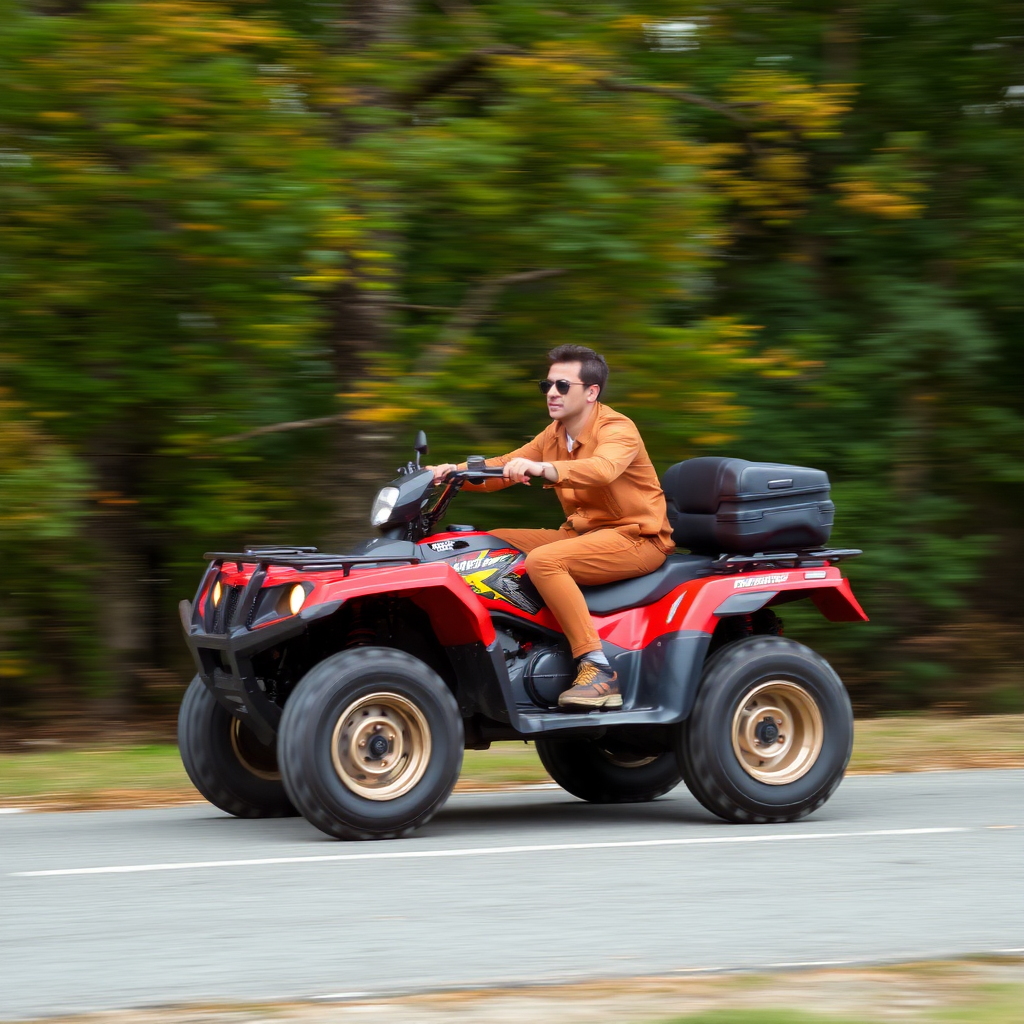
column 641, row 590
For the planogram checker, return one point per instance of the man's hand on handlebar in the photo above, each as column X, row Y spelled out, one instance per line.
column 520, row 470
column 440, row 472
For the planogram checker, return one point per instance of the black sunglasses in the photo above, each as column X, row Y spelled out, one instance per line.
column 562, row 386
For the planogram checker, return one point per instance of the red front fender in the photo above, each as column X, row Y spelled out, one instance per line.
column 455, row 612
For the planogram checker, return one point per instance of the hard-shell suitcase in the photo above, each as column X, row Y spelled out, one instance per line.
column 732, row 506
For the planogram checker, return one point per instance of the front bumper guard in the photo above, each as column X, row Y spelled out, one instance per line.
column 224, row 658
column 224, row 662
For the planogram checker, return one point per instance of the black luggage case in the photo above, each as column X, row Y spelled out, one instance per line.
column 731, row 506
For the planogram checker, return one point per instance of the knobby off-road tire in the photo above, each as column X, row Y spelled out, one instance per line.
column 370, row 744
column 225, row 760
column 745, row 768
column 604, row 772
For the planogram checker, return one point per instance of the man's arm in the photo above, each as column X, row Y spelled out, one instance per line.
column 611, row 458
column 530, row 452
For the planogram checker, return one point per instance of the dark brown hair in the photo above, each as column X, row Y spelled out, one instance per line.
column 593, row 368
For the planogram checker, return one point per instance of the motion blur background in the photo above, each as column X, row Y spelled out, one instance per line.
column 247, row 249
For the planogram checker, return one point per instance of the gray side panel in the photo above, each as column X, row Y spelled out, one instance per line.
column 482, row 681
column 671, row 671
column 659, row 688
column 746, row 604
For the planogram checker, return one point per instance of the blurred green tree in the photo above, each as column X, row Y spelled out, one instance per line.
column 896, row 279
column 249, row 247
column 160, row 184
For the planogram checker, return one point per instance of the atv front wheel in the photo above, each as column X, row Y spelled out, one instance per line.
column 770, row 734
column 609, row 770
column 370, row 744
column 225, row 760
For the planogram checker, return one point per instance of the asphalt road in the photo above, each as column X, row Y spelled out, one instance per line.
column 141, row 908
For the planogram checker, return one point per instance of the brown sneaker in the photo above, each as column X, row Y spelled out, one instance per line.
column 595, row 687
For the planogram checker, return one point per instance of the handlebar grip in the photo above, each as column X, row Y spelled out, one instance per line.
column 476, row 467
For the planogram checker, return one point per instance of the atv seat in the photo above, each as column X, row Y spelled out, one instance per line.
column 641, row 590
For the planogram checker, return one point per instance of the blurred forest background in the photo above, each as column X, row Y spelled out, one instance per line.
column 248, row 248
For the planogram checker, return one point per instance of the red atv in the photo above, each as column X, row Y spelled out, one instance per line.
column 345, row 687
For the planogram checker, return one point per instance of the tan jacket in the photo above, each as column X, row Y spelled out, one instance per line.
column 607, row 481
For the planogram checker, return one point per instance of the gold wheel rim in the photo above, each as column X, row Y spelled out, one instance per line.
column 250, row 757
column 626, row 760
column 381, row 746
column 777, row 732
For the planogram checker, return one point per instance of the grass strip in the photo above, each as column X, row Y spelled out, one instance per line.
column 152, row 774
column 982, row 990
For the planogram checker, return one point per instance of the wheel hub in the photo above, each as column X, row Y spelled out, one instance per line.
column 777, row 732
column 380, row 746
column 767, row 731
column 377, row 747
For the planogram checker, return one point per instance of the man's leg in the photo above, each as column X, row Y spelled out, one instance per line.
column 558, row 568
column 527, row 540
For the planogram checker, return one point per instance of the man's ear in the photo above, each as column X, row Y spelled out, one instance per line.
column 593, row 393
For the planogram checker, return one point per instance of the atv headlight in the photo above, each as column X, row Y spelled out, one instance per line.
column 297, row 598
column 383, row 506
column 218, row 593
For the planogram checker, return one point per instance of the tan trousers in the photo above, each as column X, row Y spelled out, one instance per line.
column 558, row 560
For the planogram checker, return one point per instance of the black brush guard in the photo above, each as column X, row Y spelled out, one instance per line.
column 223, row 647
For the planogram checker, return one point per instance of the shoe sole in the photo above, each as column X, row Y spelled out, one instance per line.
column 613, row 700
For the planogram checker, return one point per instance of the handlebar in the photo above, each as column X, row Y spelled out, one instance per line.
column 475, row 472
column 481, row 473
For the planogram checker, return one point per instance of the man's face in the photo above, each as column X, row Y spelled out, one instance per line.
column 565, row 407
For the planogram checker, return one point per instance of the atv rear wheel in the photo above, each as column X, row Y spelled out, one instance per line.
column 371, row 744
column 225, row 760
column 770, row 734
column 609, row 771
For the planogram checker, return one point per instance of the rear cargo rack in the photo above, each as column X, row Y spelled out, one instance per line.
column 788, row 559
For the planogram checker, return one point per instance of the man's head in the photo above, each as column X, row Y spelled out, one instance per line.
column 586, row 373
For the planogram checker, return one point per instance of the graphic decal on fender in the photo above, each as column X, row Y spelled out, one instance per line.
column 489, row 574
column 484, row 560
column 510, row 586
column 759, row 581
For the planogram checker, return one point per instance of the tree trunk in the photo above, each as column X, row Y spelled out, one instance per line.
column 122, row 603
column 365, row 454
column 364, row 23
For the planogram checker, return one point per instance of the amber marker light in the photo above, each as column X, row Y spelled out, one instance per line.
column 217, row 593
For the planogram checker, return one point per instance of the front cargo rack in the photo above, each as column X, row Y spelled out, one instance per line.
column 786, row 559
column 241, row 604
column 305, row 559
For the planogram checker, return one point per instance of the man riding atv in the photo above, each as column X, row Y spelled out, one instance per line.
column 616, row 524
column 345, row 686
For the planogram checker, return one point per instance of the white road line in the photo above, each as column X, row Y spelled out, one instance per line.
column 484, row 851
column 811, row 963
column 340, row 996
column 13, row 810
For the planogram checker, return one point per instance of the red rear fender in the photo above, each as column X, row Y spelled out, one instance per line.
column 827, row 588
column 699, row 604
column 838, row 604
